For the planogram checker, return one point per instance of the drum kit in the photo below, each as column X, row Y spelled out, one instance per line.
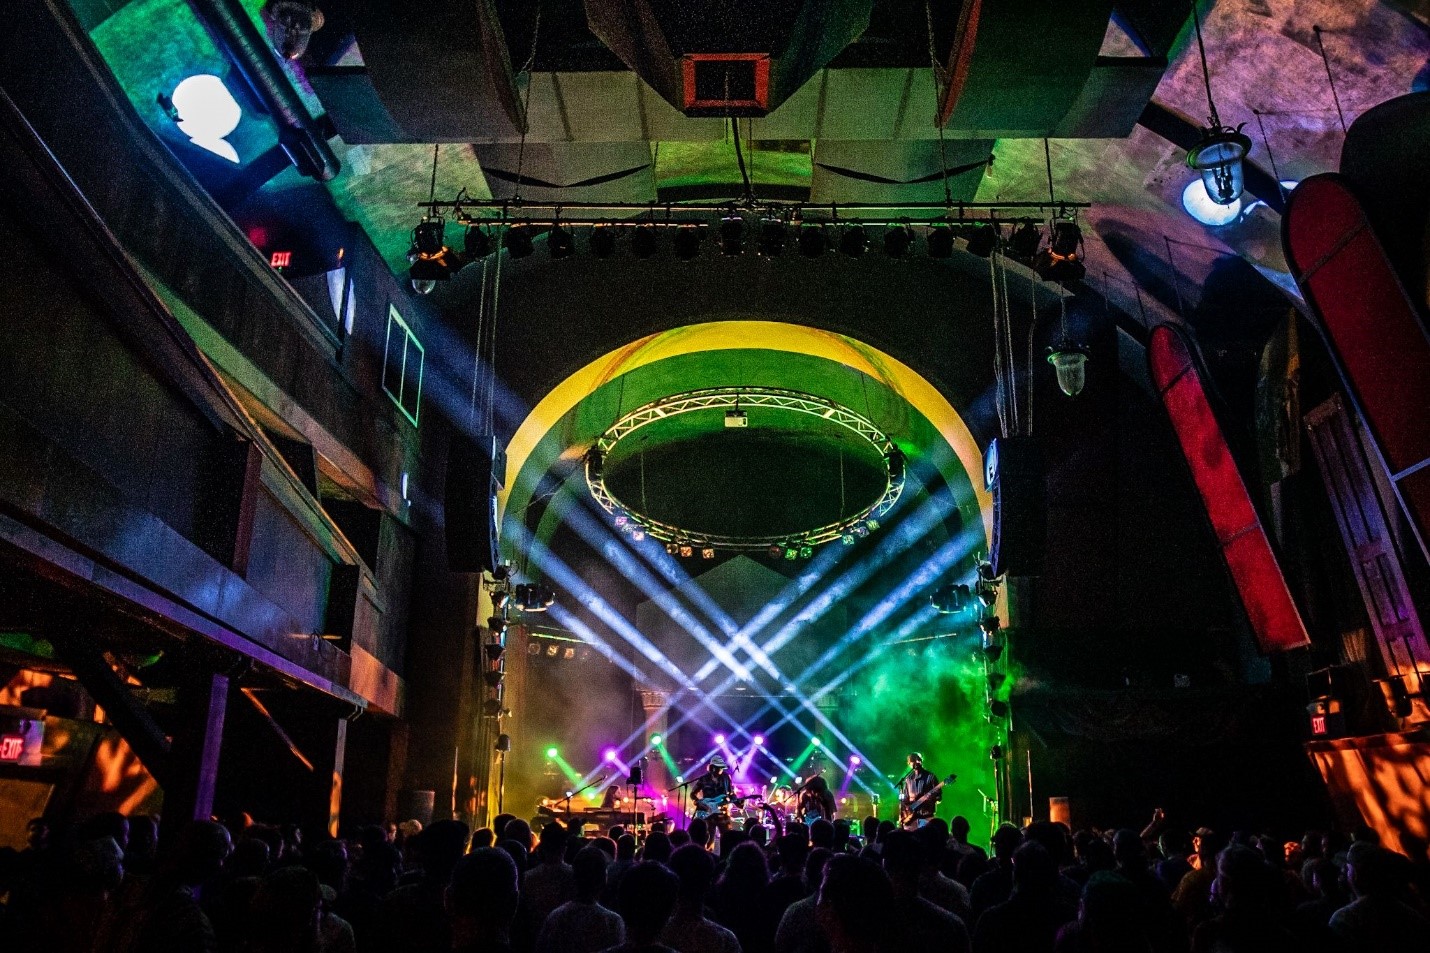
column 772, row 809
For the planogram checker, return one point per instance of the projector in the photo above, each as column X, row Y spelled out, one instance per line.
column 736, row 418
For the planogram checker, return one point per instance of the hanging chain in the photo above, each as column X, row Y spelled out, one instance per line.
column 526, row 103
column 1206, row 73
column 1326, row 61
column 998, row 402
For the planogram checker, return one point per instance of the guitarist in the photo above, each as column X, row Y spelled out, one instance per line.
column 919, row 794
column 713, row 792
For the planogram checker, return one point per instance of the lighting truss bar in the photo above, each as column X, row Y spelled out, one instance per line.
column 459, row 210
column 742, row 398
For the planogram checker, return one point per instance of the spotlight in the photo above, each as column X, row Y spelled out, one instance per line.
column 551, row 651
column 707, row 552
column 993, row 651
column 672, row 548
column 805, row 552
column 897, row 240
column 732, row 235
column 643, row 241
column 568, row 653
column 552, row 753
column 996, row 680
column 533, row 649
column 602, row 241
column 758, row 740
column 686, row 550
column 950, row 598
column 855, row 760
column 533, row 597
column 493, row 677
column 496, row 625
column 990, row 623
column 560, row 243
column 1069, row 360
column 985, row 571
column 503, row 743
column 426, row 272
column 686, row 242
column 517, row 241
column 982, row 239
column 1060, row 261
column 655, row 741
column 772, row 237
column 610, row 754
column 860, row 530
column 1023, row 244
column 940, row 241
column 476, row 243
column 848, row 539
column 987, row 594
column 637, row 534
column 719, row 739
column 492, row 707
column 291, row 24
column 996, row 752
column 791, row 552
column 494, row 651
column 814, row 742
column 776, row 551
column 998, row 709
column 811, row 241
column 1218, row 157
column 852, row 241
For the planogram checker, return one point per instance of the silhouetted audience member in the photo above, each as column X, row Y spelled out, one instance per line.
column 1109, row 919
column 1377, row 921
column 933, row 884
column 582, row 925
column 1029, row 920
column 929, row 926
column 995, row 885
column 480, row 902
column 741, row 899
column 411, row 916
column 647, row 900
column 1193, row 896
column 854, row 908
column 798, row 930
column 285, row 913
column 168, row 917
column 1249, row 895
column 657, row 847
column 547, row 885
column 689, row 930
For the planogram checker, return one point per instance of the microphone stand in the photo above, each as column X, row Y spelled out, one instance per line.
column 684, row 787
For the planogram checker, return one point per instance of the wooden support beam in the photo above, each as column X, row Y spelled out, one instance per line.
column 125, row 712
column 194, row 756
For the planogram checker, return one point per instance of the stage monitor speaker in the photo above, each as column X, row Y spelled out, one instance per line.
column 1013, row 468
column 470, row 503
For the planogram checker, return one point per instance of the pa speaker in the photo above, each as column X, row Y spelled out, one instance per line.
column 470, row 503
column 1013, row 468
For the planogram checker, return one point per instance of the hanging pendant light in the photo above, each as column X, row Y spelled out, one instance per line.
column 1220, row 155
column 1069, row 359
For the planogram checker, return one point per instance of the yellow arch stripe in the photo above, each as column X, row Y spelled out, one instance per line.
column 750, row 335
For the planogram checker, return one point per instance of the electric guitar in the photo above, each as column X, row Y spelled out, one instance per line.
column 921, row 807
column 706, row 806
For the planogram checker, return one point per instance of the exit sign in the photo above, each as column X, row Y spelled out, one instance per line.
column 281, row 259
column 11, row 747
column 1318, row 724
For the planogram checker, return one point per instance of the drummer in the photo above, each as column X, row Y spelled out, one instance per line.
column 816, row 801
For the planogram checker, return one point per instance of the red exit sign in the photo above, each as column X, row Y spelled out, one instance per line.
column 1318, row 724
column 11, row 747
column 281, row 259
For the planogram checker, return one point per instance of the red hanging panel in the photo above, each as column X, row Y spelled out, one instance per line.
column 1257, row 575
column 1371, row 327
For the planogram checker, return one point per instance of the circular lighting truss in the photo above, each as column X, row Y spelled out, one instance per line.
column 735, row 401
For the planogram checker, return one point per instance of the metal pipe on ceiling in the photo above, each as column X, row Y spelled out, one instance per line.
column 240, row 39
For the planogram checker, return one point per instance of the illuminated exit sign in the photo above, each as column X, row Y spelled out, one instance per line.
column 11, row 748
column 281, row 259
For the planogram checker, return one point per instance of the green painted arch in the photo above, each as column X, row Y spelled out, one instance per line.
column 561, row 428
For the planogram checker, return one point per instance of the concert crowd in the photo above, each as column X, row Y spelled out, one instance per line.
column 104, row 887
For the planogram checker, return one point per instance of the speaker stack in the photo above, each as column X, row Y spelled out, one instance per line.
column 1013, row 468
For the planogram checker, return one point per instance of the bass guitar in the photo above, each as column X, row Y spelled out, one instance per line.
column 706, row 806
column 922, row 807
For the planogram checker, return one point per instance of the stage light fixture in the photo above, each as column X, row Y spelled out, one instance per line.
column 655, row 741
column 686, row 550
column 496, row 625
column 805, row 552
column 552, row 753
column 551, row 650
column 772, row 237
column 568, row 653
column 950, row 598
column 1061, row 260
column 996, row 680
column 996, row 752
column 610, row 754
column 637, row 534
column 719, row 739
column 940, row 242
column 897, row 239
column 732, row 235
column 493, row 677
column 985, row 571
column 990, row 623
column 814, row 742
column 517, row 241
column 987, row 593
column 291, row 24
column 560, row 243
column 426, row 272
column 853, row 241
column 860, row 530
column 476, row 243
column 602, row 241
column 855, row 760
column 533, row 597
column 812, row 241
column 686, row 242
column 533, row 648
column 492, row 707
column 791, row 552
column 503, row 744
column 758, row 740
column 707, row 552
column 982, row 239
column 1023, row 244
column 672, row 548
column 494, row 651
column 644, row 241
column 998, row 709
column 1069, row 360
column 848, row 539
